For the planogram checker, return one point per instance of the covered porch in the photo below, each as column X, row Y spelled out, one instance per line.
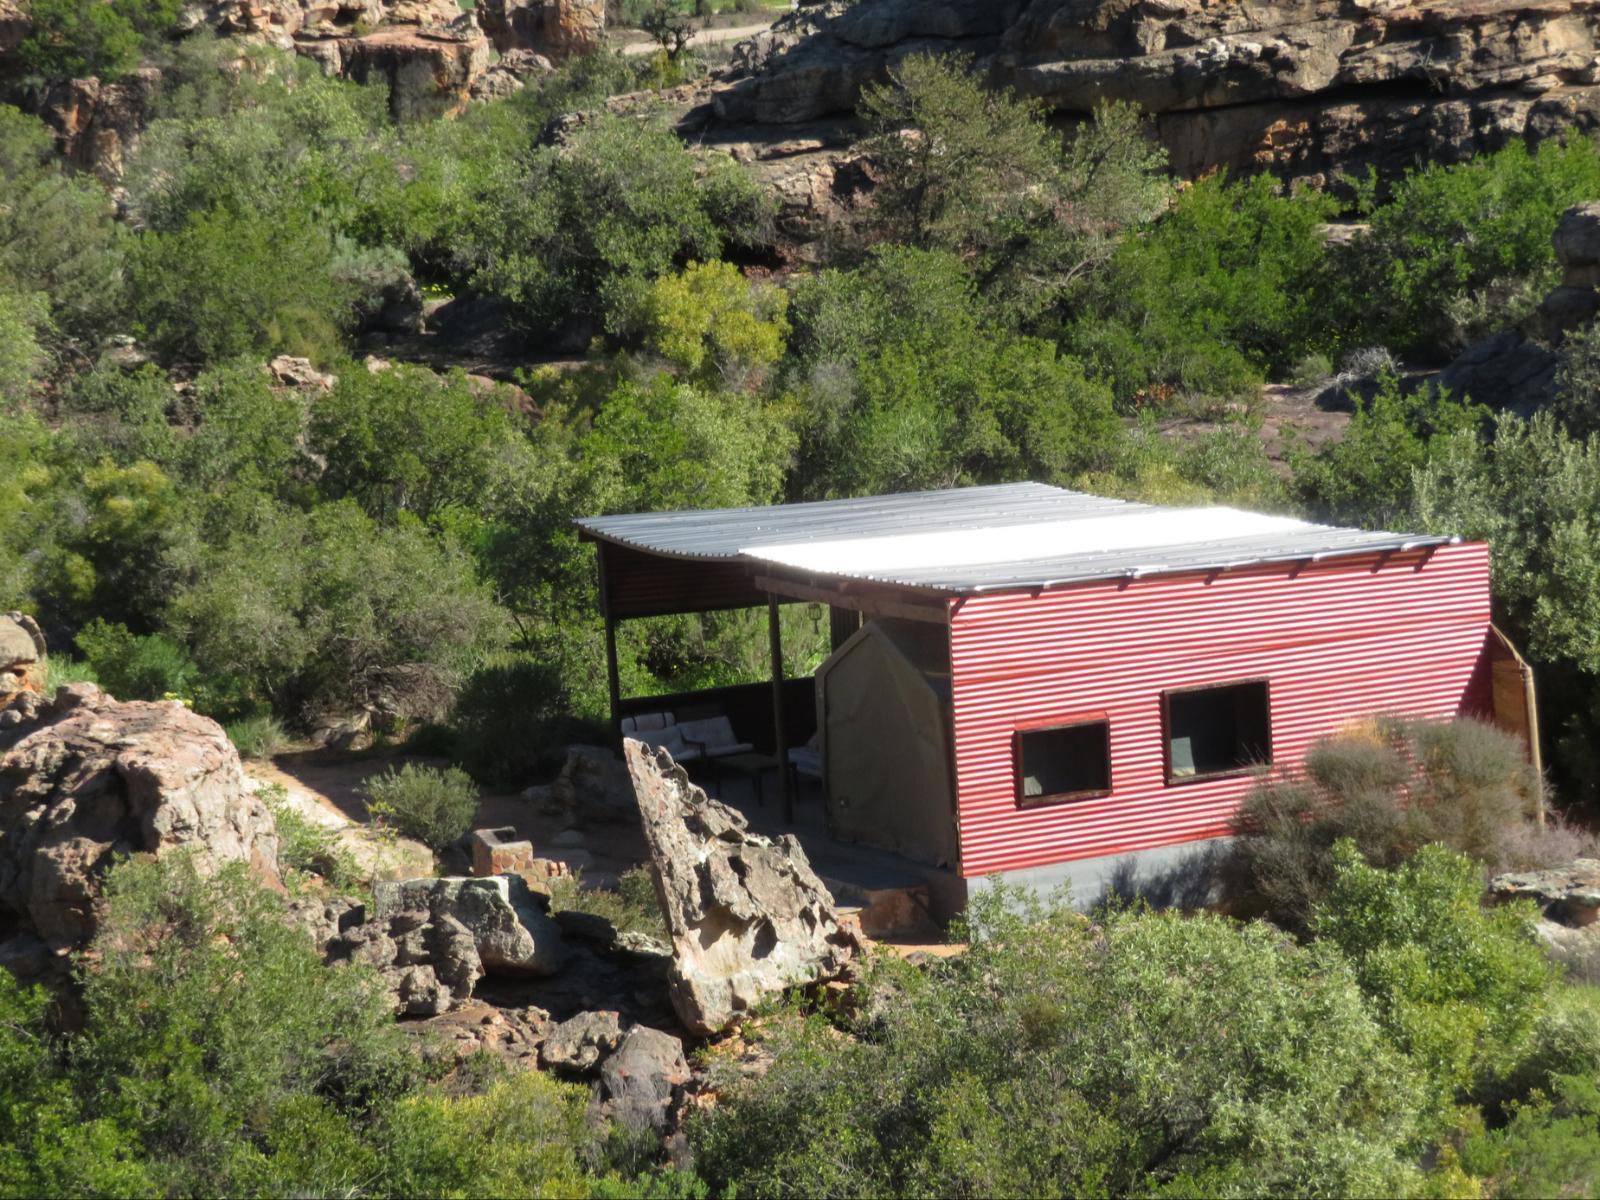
column 869, row 792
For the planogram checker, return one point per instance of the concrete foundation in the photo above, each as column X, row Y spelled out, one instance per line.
column 1167, row 877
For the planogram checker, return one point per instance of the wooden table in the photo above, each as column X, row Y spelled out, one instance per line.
column 753, row 766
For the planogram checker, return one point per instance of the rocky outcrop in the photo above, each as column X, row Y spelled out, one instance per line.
column 23, row 660
column 592, row 785
column 558, row 28
column 640, row 1080
column 747, row 916
column 577, row 1044
column 433, row 939
column 1568, row 895
column 90, row 779
column 1518, row 369
column 97, row 124
column 428, row 72
column 1303, row 88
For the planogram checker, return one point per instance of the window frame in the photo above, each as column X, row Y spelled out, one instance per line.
column 1227, row 772
column 1048, row 726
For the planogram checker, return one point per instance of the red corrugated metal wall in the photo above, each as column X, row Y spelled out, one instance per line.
column 1339, row 640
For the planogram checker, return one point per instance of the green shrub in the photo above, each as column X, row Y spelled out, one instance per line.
column 224, row 285
column 907, row 382
column 435, row 807
column 219, row 1056
column 1550, row 1147
column 1366, row 477
column 592, row 221
column 1564, row 1041
column 260, row 736
column 1390, row 790
column 1151, row 1054
column 512, row 718
column 306, row 847
column 74, row 38
column 632, row 908
column 135, row 667
column 980, row 174
column 1449, row 238
column 1311, row 370
column 1459, row 987
column 1221, row 291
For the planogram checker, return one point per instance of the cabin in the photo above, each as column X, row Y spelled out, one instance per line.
column 1047, row 687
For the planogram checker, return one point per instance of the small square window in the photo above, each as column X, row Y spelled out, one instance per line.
column 1217, row 730
column 1063, row 763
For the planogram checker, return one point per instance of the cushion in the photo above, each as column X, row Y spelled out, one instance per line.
column 714, row 733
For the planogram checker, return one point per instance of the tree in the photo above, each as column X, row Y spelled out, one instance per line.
column 74, row 38
column 714, row 323
column 1224, row 287
column 59, row 238
column 582, row 230
column 977, row 172
column 907, row 383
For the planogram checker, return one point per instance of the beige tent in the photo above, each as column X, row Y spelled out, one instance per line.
column 882, row 700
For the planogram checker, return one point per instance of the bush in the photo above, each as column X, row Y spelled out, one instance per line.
column 592, row 221
column 1550, row 1147
column 1151, row 1054
column 261, row 736
column 1451, row 237
column 134, row 667
column 1221, row 291
column 632, row 908
column 1459, row 987
column 74, row 38
column 908, row 382
column 980, row 174
column 1366, row 477
column 435, row 807
column 517, row 711
column 219, row 1056
column 1390, row 790
column 224, row 285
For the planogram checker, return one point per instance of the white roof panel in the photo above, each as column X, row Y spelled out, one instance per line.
column 979, row 539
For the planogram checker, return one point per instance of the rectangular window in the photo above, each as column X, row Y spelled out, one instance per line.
column 1067, row 762
column 1217, row 730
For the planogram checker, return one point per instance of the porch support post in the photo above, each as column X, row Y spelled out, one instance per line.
column 613, row 678
column 775, row 643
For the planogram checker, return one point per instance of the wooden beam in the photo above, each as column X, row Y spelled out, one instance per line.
column 871, row 605
column 775, row 644
column 613, row 676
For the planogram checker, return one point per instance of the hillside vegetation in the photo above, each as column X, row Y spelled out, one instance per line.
column 394, row 542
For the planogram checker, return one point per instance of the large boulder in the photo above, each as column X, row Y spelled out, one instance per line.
column 1568, row 895
column 432, row 939
column 748, row 917
column 641, row 1077
column 559, row 28
column 91, row 779
column 23, row 661
column 593, row 784
column 510, row 924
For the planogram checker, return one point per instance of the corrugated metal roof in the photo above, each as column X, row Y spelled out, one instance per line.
column 1004, row 537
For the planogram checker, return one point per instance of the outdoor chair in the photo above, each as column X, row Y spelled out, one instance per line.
column 712, row 738
column 807, row 760
column 661, row 731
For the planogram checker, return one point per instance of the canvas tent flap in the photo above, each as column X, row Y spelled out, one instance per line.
column 886, row 748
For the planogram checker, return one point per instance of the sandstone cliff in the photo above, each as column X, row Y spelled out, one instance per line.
column 1303, row 88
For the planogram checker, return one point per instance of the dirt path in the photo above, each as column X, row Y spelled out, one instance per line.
column 702, row 38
